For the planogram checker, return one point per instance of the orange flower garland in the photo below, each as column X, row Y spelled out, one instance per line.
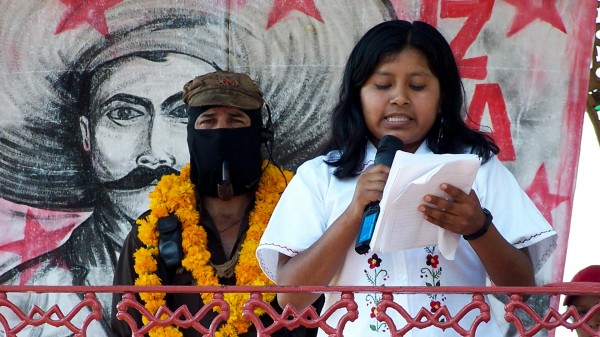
column 175, row 194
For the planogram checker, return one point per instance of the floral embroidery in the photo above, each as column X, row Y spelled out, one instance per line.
column 432, row 275
column 374, row 261
column 376, row 277
column 433, row 260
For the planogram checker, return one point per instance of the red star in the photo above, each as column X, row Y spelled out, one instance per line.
column 540, row 194
column 85, row 11
column 281, row 8
column 37, row 240
column 527, row 11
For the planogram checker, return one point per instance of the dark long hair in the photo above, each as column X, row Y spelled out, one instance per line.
column 349, row 132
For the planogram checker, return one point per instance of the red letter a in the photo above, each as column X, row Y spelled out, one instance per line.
column 491, row 94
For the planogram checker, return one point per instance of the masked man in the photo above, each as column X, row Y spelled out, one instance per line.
column 204, row 224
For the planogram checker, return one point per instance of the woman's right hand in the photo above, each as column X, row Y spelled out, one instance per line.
column 369, row 188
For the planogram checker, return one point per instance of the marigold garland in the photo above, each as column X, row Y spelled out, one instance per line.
column 175, row 194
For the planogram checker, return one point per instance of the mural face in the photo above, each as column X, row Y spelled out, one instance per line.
column 136, row 129
column 91, row 117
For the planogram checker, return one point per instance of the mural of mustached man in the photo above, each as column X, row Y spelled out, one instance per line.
column 92, row 117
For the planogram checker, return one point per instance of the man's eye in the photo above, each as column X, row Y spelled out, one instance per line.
column 205, row 122
column 124, row 114
column 238, row 122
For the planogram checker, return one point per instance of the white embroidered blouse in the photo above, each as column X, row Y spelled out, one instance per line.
column 315, row 199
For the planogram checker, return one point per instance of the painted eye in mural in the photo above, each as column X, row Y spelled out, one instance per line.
column 179, row 113
column 174, row 109
column 123, row 109
column 124, row 113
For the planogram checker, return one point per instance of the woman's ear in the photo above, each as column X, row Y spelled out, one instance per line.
column 84, row 126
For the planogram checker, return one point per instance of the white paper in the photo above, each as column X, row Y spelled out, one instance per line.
column 400, row 224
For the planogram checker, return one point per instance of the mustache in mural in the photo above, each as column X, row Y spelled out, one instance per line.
column 139, row 177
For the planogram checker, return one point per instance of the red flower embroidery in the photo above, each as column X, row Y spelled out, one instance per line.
column 374, row 261
column 432, row 260
column 374, row 312
column 435, row 305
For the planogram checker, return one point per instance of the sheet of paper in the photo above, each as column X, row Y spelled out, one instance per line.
column 400, row 225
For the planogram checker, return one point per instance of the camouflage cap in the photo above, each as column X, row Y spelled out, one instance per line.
column 223, row 88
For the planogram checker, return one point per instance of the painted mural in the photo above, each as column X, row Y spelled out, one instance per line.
column 91, row 113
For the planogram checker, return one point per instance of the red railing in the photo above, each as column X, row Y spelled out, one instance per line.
column 291, row 318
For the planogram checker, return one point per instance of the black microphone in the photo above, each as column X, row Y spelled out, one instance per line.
column 388, row 145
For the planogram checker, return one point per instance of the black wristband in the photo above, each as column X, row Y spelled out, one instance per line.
column 483, row 229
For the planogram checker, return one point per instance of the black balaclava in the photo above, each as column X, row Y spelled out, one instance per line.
column 240, row 147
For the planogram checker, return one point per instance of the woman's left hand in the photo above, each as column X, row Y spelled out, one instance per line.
column 461, row 213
